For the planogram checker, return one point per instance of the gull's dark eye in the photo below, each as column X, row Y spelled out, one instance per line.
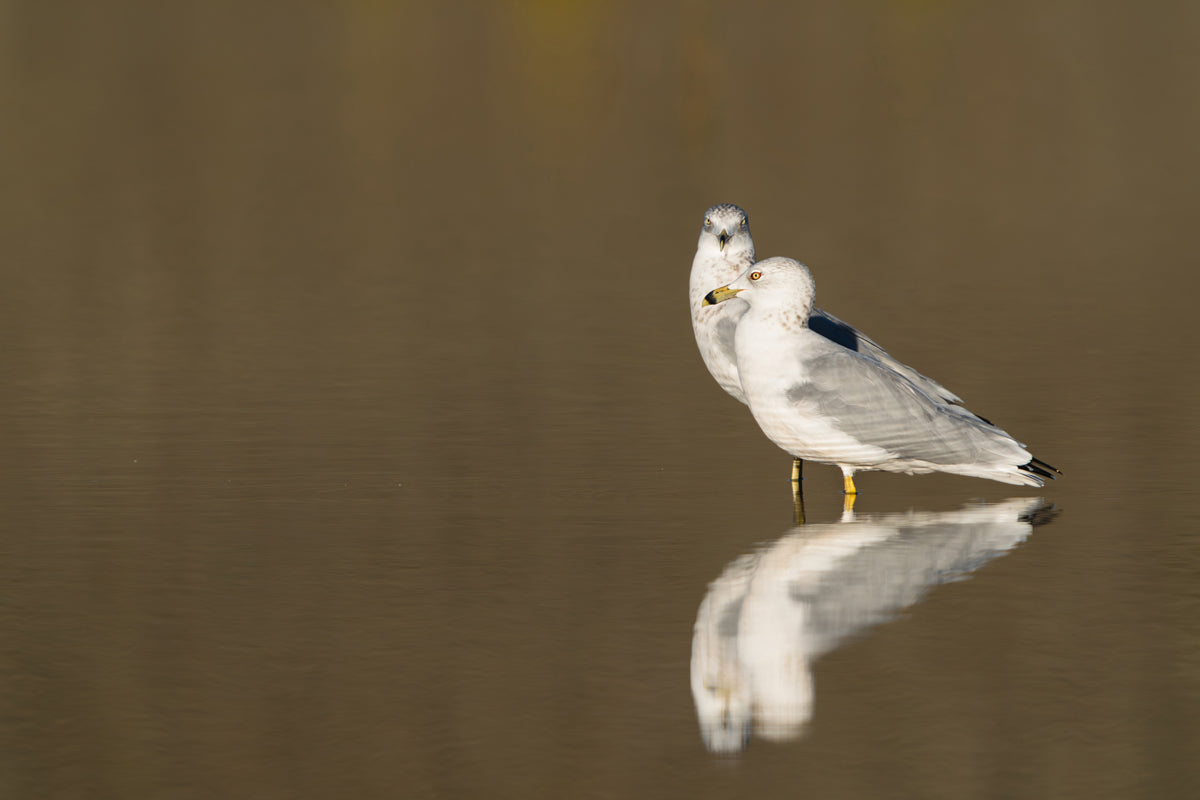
column 755, row 276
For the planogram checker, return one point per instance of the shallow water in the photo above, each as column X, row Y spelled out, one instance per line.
column 357, row 444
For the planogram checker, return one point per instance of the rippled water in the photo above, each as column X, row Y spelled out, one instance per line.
column 356, row 443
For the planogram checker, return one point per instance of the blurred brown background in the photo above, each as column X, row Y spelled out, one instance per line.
column 356, row 443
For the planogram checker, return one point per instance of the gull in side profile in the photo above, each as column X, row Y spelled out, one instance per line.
column 822, row 402
column 726, row 250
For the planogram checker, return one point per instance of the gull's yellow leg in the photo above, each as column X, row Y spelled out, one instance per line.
column 797, row 470
column 797, row 504
column 849, row 482
column 848, row 504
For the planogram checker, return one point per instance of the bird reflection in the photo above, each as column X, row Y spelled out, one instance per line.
column 771, row 613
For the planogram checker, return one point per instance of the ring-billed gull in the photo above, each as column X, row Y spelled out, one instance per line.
column 821, row 402
column 724, row 251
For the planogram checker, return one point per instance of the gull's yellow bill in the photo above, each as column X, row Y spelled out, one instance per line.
column 719, row 295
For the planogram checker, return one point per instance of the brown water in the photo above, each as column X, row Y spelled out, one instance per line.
column 356, row 443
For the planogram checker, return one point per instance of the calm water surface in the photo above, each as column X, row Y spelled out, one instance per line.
column 356, row 444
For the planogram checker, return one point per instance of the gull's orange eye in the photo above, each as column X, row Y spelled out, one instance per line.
column 755, row 276
column 707, row 222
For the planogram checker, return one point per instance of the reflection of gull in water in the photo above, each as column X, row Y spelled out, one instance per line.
column 773, row 612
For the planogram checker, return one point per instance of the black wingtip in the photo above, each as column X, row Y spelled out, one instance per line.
column 1039, row 467
column 1044, row 465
